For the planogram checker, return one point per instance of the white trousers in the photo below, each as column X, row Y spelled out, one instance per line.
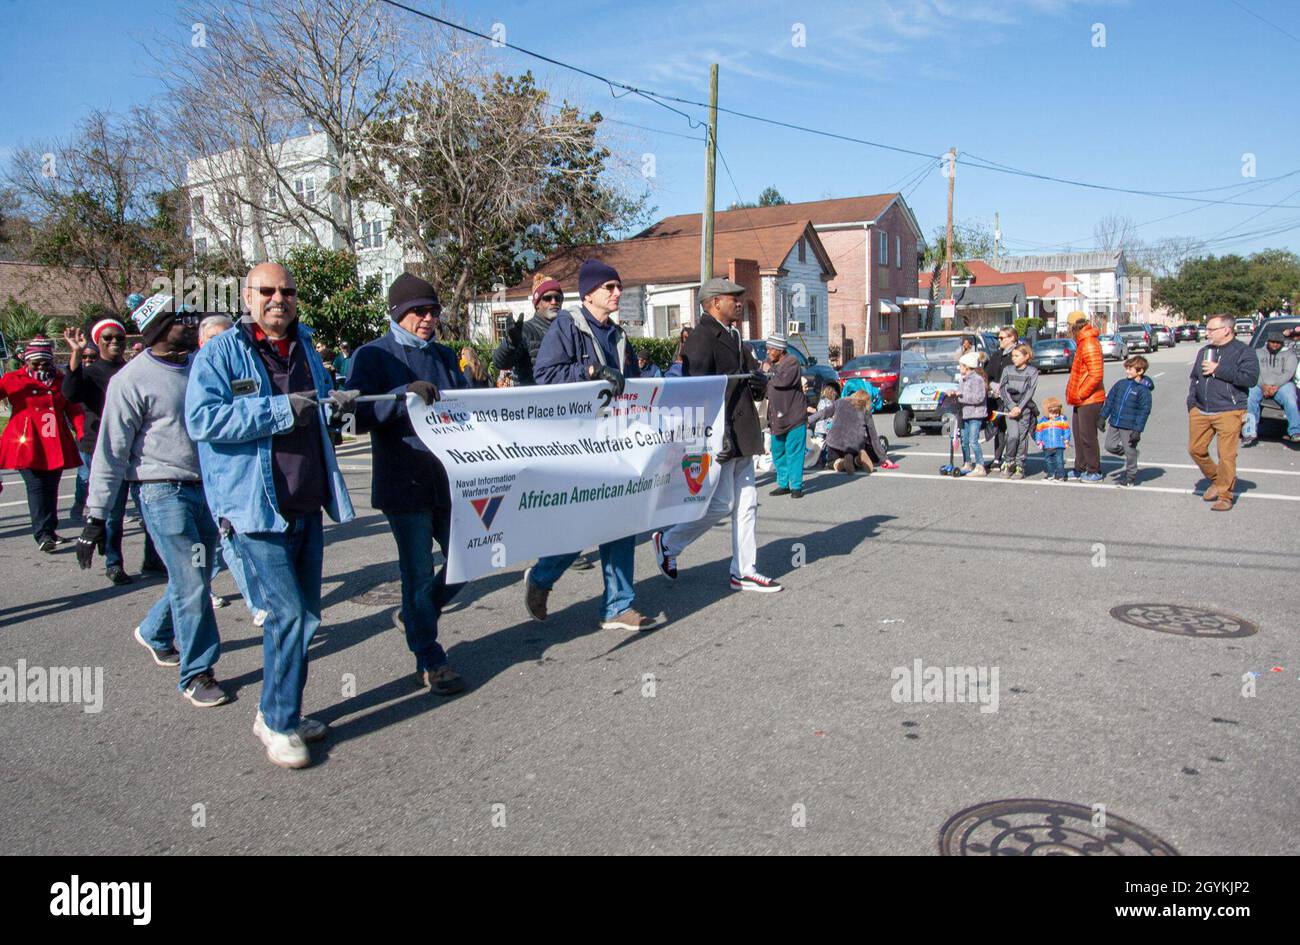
column 736, row 494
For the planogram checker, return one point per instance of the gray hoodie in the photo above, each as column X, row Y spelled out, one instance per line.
column 1276, row 369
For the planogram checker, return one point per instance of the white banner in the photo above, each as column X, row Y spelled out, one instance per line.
column 543, row 470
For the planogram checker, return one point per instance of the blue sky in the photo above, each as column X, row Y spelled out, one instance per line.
column 1175, row 98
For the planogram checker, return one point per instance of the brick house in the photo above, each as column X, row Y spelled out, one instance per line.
column 50, row 291
column 783, row 265
column 988, row 297
column 873, row 243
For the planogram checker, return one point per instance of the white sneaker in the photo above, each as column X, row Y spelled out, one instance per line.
column 287, row 751
column 217, row 601
column 259, row 618
column 309, row 730
column 977, row 470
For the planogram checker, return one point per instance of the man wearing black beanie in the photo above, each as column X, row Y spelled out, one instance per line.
column 407, row 482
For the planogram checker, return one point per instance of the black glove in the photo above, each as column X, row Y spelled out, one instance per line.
column 344, row 401
column 516, row 332
column 611, row 376
column 303, row 407
column 91, row 540
column 758, row 384
column 426, row 391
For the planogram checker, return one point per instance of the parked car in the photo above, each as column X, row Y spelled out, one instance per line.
column 1188, row 332
column 1139, row 335
column 928, row 363
column 1054, row 354
column 883, row 369
column 1164, row 336
column 815, row 376
column 1113, row 347
column 1243, row 326
column 1269, row 409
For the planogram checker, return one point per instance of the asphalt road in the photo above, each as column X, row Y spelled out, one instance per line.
column 772, row 724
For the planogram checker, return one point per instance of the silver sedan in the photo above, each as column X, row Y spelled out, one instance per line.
column 1113, row 347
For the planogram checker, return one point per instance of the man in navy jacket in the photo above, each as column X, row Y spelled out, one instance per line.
column 408, row 483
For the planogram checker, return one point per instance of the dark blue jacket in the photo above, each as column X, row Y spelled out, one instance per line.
column 1229, row 386
column 567, row 351
column 404, row 475
column 1128, row 404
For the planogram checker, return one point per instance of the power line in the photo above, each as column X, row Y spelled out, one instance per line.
column 662, row 100
column 1269, row 22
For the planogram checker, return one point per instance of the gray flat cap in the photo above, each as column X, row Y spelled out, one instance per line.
column 719, row 286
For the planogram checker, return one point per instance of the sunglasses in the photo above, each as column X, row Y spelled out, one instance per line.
column 426, row 311
column 553, row 297
column 108, row 338
column 189, row 320
column 268, row 291
column 611, row 286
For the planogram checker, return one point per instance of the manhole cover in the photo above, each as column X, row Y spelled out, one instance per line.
column 1045, row 828
column 388, row 594
column 1185, row 621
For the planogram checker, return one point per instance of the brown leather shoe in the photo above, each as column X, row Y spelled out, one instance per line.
column 1211, row 494
column 1223, row 505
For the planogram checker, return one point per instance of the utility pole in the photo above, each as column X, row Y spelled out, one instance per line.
column 997, row 235
column 947, row 249
column 710, row 156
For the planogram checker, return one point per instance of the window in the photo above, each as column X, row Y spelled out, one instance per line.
column 371, row 235
column 898, row 251
column 196, row 206
column 881, row 323
column 500, row 324
column 812, row 313
column 305, row 188
column 884, row 249
column 670, row 317
column 200, row 245
column 801, row 251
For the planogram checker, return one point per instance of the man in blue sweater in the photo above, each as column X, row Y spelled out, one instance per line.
column 407, row 482
column 585, row 347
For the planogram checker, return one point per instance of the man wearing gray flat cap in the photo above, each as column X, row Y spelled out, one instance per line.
column 714, row 347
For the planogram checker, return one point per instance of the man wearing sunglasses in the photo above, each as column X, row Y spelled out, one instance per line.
column 518, row 349
column 142, row 439
column 86, row 383
column 408, row 483
column 583, row 347
column 255, row 407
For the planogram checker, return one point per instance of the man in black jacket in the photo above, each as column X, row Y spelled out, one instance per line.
column 518, row 350
column 1222, row 375
column 87, row 384
column 998, row 361
column 714, row 347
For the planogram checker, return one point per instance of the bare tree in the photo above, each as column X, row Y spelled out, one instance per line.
column 97, row 207
column 1115, row 233
column 245, row 79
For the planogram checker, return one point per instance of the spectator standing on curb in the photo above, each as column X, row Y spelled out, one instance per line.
column 255, row 406
column 1085, row 392
column 1018, row 385
column 1218, row 392
column 407, row 482
column 1126, row 410
column 787, row 412
column 998, row 362
column 715, row 347
column 143, row 439
column 39, row 441
column 973, row 396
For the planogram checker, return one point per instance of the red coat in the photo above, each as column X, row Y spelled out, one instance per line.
column 39, row 434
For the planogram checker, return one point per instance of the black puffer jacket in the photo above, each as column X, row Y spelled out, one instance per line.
column 521, row 358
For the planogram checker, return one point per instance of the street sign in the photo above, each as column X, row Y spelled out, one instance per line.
column 948, row 309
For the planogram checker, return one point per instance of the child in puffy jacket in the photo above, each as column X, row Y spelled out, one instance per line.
column 1126, row 409
column 1053, row 435
column 972, row 394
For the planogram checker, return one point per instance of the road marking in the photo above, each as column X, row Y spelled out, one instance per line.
column 5, row 505
column 1161, row 374
column 1120, row 462
column 891, row 474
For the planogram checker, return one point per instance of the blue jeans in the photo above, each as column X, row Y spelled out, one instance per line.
column 616, row 560
column 288, row 569
column 178, row 518
column 787, row 457
column 971, row 450
column 1286, row 396
column 1055, row 459
column 82, row 488
column 228, row 554
column 423, row 592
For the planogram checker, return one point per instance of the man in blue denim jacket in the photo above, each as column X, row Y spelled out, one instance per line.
column 255, row 406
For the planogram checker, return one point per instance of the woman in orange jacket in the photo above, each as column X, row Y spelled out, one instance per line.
column 1085, row 392
column 39, row 440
